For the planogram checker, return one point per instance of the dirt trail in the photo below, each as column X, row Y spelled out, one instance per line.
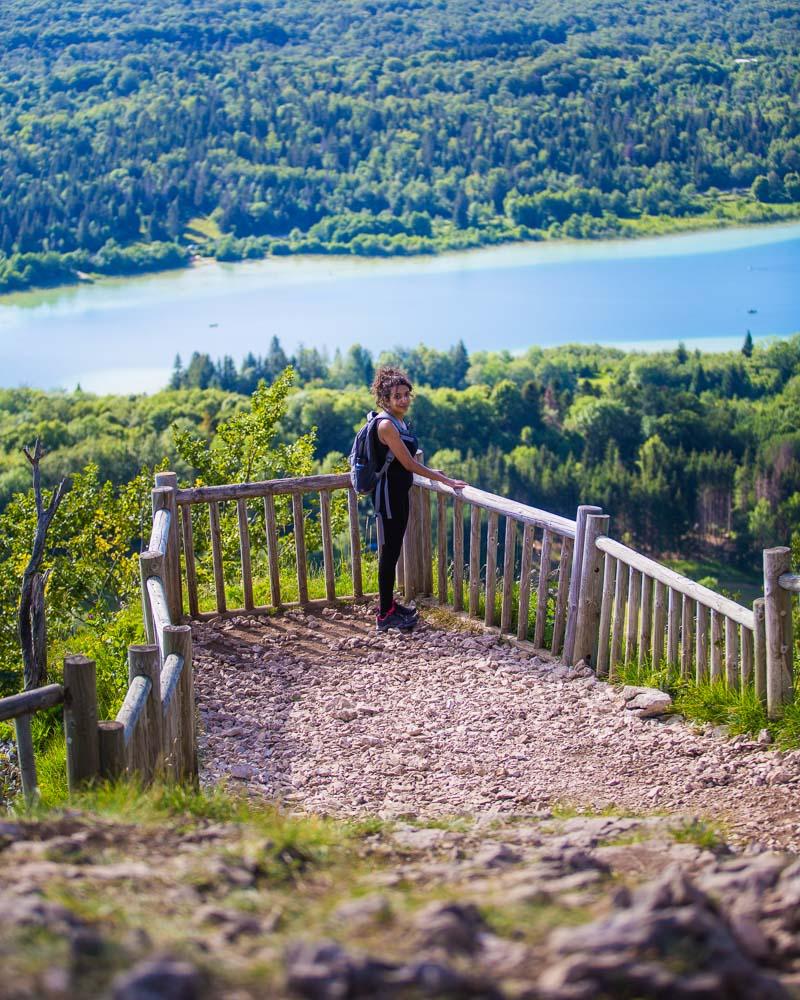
column 319, row 710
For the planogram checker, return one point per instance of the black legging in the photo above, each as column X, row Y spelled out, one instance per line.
column 394, row 528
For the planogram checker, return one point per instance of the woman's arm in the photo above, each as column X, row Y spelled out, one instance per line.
column 390, row 436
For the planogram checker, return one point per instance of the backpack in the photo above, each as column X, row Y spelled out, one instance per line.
column 364, row 471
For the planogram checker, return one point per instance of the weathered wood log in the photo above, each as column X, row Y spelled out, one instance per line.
column 491, row 569
column 131, row 715
column 300, row 547
column 80, row 720
column 731, row 653
column 562, row 594
column 189, row 560
column 474, row 560
column 778, row 627
column 273, row 554
column 458, row 555
column 145, row 661
column 702, row 644
column 327, row 545
column 673, row 625
column 355, row 543
column 509, row 565
column 576, row 580
column 151, row 565
column 688, row 610
column 172, row 559
column 632, row 622
column 760, row 650
column 747, row 657
column 542, row 589
column 590, row 594
column 266, row 488
column 216, row 555
column 425, row 497
column 441, row 549
column 790, row 582
column 26, row 758
column 620, row 606
column 158, row 603
column 606, row 607
column 28, row 702
column 743, row 616
column 411, row 549
column 659, row 623
column 159, row 533
column 171, row 716
column 244, row 552
column 178, row 642
column 645, row 618
column 111, row 743
column 525, row 569
column 716, row 646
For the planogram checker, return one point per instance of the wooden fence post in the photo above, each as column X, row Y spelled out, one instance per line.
column 26, row 758
column 778, row 622
column 575, row 580
column 591, row 588
column 80, row 720
column 151, row 564
column 178, row 640
column 145, row 661
column 166, row 485
column 760, row 651
column 111, row 739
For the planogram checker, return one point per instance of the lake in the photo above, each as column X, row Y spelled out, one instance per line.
column 121, row 335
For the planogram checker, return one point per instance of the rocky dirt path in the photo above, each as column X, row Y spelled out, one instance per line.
column 319, row 710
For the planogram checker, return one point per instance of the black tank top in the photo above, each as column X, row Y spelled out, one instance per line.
column 397, row 477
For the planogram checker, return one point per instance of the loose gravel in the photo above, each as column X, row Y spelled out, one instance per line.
column 320, row 711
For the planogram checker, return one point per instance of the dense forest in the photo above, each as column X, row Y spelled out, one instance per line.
column 133, row 135
column 690, row 453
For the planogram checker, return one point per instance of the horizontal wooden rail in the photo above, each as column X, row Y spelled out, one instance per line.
column 694, row 591
column 28, row 702
column 170, row 675
column 500, row 505
column 133, row 706
column 159, row 608
column 160, row 532
column 266, row 488
column 790, row 582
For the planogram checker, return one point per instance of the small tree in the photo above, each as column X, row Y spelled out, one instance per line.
column 32, row 620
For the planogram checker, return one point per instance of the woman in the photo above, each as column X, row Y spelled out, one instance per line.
column 392, row 390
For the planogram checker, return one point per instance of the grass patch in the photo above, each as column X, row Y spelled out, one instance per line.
column 699, row 832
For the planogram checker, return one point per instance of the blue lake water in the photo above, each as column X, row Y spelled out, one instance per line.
column 705, row 289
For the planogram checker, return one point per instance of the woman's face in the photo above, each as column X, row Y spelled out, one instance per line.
column 399, row 399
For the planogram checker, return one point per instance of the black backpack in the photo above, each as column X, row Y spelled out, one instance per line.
column 364, row 471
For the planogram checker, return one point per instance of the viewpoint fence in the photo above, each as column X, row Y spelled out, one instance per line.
column 557, row 583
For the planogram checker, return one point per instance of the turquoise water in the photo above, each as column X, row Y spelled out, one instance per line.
column 705, row 289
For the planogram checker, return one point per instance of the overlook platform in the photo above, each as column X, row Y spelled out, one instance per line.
column 316, row 708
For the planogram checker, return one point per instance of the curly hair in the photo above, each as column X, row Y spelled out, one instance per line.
column 385, row 380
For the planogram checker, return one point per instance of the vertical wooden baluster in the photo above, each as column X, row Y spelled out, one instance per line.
column 747, row 656
column 272, row 551
column 300, row 547
column 731, row 653
column 244, row 549
column 646, row 619
column 632, row 624
column 562, row 595
column 525, row 582
column 659, row 618
column 687, row 635
column 458, row 555
column 620, row 605
column 474, row 559
column 427, row 542
column 701, row 650
column 441, row 547
column 760, row 651
column 188, row 557
column 716, row 646
column 673, row 626
column 355, row 543
column 542, row 590
column 491, row 568
column 216, row 555
column 327, row 545
column 606, row 607
column 508, row 574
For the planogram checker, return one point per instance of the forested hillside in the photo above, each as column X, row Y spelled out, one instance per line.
column 689, row 453
column 132, row 134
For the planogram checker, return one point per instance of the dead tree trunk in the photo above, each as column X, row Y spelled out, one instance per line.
column 32, row 619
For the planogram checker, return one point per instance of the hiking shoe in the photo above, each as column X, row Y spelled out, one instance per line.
column 405, row 612
column 393, row 620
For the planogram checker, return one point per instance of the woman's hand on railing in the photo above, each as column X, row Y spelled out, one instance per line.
column 454, row 484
